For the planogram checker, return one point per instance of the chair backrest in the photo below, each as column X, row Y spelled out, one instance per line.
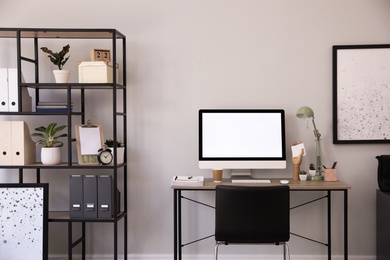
column 247, row 214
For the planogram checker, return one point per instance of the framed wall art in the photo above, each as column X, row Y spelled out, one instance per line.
column 23, row 221
column 361, row 94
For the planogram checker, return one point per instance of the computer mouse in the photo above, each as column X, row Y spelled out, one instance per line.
column 284, row 181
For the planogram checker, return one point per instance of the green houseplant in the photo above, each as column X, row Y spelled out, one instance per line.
column 110, row 143
column 120, row 149
column 59, row 59
column 303, row 175
column 48, row 138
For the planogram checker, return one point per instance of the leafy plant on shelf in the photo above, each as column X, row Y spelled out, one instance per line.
column 110, row 143
column 49, row 135
column 58, row 58
column 302, row 172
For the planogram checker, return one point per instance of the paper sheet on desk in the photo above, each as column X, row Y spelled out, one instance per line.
column 296, row 150
column 89, row 140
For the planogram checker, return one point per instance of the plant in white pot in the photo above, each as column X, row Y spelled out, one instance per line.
column 303, row 175
column 312, row 170
column 48, row 137
column 120, row 149
column 59, row 59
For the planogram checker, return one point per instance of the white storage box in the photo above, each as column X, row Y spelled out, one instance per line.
column 96, row 72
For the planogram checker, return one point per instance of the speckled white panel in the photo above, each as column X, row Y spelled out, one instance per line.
column 363, row 94
column 21, row 223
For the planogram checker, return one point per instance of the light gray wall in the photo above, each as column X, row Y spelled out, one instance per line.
column 183, row 55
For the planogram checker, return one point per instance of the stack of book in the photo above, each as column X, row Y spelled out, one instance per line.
column 187, row 181
column 53, row 107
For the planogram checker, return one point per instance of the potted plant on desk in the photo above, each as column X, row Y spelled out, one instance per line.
column 58, row 59
column 312, row 170
column 50, row 152
column 303, row 175
column 120, row 149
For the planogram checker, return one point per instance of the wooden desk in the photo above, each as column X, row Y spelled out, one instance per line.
column 209, row 185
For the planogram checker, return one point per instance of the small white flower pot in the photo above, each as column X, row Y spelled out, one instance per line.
column 61, row 76
column 303, row 177
column 51, row 155
column 120, row 153
column 312, row 173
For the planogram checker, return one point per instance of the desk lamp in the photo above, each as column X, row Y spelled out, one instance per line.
column 307, row 112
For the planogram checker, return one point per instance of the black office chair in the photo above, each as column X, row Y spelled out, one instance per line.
column 252, row 215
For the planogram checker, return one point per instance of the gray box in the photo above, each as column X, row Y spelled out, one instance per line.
column 90, row 196
column 76, row 196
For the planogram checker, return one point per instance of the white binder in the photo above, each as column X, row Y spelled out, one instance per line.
column 4, row 90
column 16, row 145
column 13, row 93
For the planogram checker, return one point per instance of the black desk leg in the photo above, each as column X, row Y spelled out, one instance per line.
column 179, row 222
column 329, row 225
column 175, row 224
column 346, row 224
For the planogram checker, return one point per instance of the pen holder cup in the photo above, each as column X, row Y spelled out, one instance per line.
column 330, row 174
column 217, row 175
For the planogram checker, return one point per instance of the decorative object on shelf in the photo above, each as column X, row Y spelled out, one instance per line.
column 100, row 55
column 89, row 139
column 58, row 59
column 96, row 72
column 307, row 112
column 105, row 156
column 120, row 149
column 303, row 175
column 50, row 153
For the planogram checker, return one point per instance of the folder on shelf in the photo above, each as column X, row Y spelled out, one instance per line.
column 4, row 107
column 105, row 197
column 13, row 93
column 76, row 195
column 16, row 145
column 90, row 196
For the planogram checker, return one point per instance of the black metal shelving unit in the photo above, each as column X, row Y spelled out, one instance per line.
column 116, row 169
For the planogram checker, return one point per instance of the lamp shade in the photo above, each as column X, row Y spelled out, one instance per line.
column 305, row 112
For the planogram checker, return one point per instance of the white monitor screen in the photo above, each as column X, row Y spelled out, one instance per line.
column 246, row 138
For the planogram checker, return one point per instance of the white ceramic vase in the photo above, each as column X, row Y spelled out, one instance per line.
column 120, row 153
column 303, row 177
column 61, row 76
column 50, row 155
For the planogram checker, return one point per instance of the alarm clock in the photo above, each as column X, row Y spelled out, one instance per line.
column 105, row 156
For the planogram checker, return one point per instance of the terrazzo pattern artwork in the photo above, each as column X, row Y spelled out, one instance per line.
column 363, row 94
column 21, row 223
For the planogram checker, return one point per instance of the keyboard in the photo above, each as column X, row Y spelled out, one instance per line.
column 250, row 181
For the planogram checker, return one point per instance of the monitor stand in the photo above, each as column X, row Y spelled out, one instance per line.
column 241, row 174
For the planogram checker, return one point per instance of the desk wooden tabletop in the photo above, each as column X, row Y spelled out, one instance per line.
column 209, row 184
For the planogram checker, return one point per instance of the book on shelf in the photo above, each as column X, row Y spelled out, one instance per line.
column 53, row 107
column 187, row 181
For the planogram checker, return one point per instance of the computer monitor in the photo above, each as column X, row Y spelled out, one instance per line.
column 242, row 139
